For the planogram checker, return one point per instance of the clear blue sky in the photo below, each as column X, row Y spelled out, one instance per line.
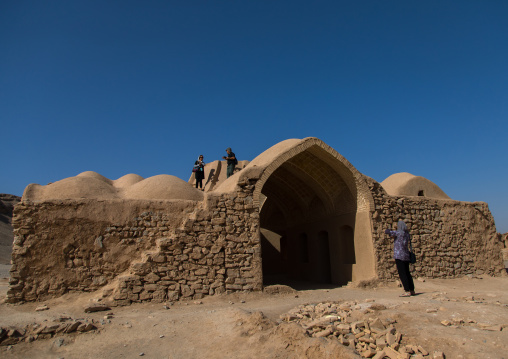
column 143, row 87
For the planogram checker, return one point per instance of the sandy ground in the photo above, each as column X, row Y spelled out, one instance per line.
column 228, row 326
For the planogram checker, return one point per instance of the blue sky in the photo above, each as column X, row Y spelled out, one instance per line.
column 143, row 87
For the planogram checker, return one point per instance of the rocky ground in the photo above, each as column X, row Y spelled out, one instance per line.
column 460, row 318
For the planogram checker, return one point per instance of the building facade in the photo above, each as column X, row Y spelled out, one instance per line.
column 299, row 212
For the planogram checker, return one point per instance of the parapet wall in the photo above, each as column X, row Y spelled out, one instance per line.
column 450, row 238
column 136, row 250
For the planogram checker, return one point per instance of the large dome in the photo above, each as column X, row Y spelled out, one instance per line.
column 72, row 187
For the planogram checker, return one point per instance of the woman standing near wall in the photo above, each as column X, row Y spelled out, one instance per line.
column 401, row 256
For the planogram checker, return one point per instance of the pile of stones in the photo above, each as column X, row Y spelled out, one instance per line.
column 370, row 337
column 36, row 331
column 460, row 322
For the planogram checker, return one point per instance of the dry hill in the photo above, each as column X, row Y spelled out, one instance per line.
column 7, row 203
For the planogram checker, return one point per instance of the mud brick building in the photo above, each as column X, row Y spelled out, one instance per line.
column 298, row 211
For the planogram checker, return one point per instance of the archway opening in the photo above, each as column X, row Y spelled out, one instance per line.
column 308, row 210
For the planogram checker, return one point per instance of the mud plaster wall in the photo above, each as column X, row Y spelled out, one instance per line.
column 137, row 250
column 450, row 238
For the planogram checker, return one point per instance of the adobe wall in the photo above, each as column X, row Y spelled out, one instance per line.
column 450, row 238
column 136, row 250
column 145, row 250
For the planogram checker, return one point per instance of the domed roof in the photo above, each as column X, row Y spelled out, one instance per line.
column 406, row 184
column 72, row 187
column 265, row 158
column 127, row 180
column 163, row 187
column 92, row 174
column 91, row 185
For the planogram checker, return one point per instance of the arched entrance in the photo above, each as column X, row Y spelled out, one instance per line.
column 314, row 218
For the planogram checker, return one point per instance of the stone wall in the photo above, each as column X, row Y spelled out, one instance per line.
column 140, row 250
column 450, row 238
column 216, row 251
column 136, row 250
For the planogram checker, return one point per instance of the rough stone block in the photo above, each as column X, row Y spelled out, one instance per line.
column 96, row 308
column 141, row 268
column 369, row 353
column 159, row 258
column 391, row 353
column 379, row 355
column 133, row 296
column 152, row 278
column 187, row 291
column 233, row 287
column 391, row 339
column 172, row 295
column 145, row 296
column 151, row 287
column 218, row 221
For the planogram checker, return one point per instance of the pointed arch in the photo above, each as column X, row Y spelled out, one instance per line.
column 318, row 191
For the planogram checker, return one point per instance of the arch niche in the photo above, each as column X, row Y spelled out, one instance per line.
column 314, row 217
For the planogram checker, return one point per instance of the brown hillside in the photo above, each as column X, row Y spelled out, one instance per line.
column 7, row 203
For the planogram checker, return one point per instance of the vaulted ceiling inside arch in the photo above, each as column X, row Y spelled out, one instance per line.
column 311, row 185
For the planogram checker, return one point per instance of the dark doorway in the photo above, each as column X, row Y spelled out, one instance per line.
column 323, row 260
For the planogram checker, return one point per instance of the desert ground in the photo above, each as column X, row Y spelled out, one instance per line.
column 462, row 318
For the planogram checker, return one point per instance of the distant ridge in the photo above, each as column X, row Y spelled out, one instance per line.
column 7, row 203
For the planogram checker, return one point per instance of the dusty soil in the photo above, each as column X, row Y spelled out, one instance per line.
column 230, row 326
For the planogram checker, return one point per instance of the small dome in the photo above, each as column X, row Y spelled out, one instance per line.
column 127, row 180
column 406, row 184
column 163, row 187
column 92, row 174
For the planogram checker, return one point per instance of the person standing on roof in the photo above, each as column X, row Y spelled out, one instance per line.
column 199, row 171
column 231, row 160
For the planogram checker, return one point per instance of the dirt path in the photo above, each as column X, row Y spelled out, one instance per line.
column 225, row 326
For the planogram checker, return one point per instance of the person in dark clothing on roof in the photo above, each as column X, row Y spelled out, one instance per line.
column 231, row 160
column 199, row 172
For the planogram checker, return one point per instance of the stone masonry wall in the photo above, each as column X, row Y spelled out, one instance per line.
column 136, row 251
column 156, row 251
column 65, row 246
column 450, row 238
column 216, row 251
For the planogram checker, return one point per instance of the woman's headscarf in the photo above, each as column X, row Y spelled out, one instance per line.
column 401, row 226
